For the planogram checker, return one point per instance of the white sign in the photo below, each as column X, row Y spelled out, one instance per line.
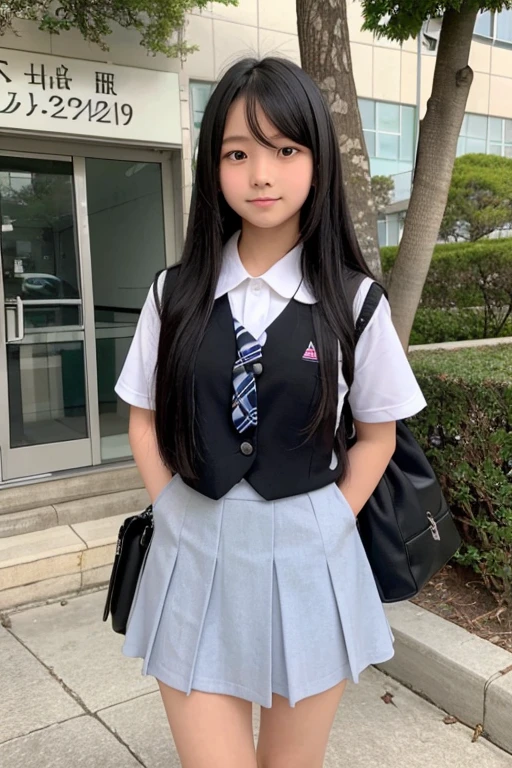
column 49, row 94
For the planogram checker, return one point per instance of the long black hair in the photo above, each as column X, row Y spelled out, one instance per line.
column 293, row 103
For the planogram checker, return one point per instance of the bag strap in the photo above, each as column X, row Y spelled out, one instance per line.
column 353, row 280
column 156, row 296
column 370, row 304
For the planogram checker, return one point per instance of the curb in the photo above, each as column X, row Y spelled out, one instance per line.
column 468, row 677
column 451, row 345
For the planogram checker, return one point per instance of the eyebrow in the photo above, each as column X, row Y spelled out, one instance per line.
column 248, row 138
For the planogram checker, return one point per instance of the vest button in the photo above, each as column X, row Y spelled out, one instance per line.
column 246, row 449
column 257, row 369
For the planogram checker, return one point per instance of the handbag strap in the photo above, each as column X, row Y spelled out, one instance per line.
column 156, row 295
column 371, row 302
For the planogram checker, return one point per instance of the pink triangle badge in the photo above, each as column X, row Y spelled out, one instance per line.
column 310, row 353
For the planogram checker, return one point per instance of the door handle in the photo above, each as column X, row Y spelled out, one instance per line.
column 20, row 322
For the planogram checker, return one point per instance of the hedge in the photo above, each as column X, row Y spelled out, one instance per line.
column 466, row 431
column 432, row 326
column 461, row 273
column 467, row 294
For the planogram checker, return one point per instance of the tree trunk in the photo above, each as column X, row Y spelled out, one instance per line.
column 439, row 132
column 325, row 56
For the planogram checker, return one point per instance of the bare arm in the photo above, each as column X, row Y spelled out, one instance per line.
column 141, row 433
column 368, row 460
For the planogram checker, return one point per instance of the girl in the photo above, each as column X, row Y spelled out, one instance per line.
column 257, row 587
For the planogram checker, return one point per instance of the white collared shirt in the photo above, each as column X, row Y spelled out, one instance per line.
column 384, row 386
column 257, row 301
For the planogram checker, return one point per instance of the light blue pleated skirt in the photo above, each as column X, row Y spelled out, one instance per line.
column 249, row 597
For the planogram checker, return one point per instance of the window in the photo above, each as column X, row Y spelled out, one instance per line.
column 14, row 181
column 389, row 132
column 484, row 24
column 199, row 95
column 496, row 26
column 390, row 229
column 489, row 135
column 504, row 26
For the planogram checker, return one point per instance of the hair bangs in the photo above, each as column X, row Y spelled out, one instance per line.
column 286, row 107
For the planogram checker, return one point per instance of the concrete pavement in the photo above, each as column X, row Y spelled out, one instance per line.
column 69, row 698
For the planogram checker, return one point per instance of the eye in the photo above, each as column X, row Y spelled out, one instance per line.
column 236, row 152
column 288, row 151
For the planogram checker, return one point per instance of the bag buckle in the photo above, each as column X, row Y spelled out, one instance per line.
column 145, row 535
column 433, row 527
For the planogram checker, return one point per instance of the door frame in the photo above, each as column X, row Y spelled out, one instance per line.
column 54, row 457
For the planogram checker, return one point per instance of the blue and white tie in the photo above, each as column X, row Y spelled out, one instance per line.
column 244, row 402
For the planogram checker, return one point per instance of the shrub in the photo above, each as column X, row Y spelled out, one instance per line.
column 437, row 325
column 473, row 278
column 466, row 431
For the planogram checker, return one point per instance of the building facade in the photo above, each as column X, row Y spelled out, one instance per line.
column 96, row 158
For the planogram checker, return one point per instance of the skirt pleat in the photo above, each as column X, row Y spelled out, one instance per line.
column 152, row 588
column 366, row 630
column 250, row 597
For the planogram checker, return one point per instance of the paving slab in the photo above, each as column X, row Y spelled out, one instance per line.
column 366, row 731
column 408, row 731
column 143, row 725
column 86, row 655
column 83, row 650
column 79, row 743
column 30, row 698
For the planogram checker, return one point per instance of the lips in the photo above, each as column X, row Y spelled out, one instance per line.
column 264, row 202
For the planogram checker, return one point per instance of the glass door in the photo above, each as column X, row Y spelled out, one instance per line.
column 44, row 422
column 125, row 210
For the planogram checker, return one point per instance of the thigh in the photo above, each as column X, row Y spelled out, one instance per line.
column 296, row 737
column 210, row 730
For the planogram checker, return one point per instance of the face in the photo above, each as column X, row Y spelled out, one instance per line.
column 266, row 186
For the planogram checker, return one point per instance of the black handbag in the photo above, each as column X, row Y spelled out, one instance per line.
column 406, row 526
column 132, row 548
column 133, row 541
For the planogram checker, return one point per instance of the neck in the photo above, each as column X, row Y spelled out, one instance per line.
column 259, row 249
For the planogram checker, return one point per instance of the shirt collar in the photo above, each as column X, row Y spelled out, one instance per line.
column 283, row 277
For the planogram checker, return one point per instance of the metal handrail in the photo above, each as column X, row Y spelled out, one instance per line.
column 52, row 302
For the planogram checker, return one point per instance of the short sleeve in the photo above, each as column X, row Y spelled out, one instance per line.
column 136, row 384
column 384, row 386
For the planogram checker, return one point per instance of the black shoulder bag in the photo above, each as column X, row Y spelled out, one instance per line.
column 133, row 541
column 406, row 526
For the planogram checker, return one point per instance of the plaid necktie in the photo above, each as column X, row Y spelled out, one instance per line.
column 244, row 403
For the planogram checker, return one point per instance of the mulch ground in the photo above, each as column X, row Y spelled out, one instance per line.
column 458, row 594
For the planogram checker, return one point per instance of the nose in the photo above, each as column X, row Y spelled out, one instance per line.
column 262, row 174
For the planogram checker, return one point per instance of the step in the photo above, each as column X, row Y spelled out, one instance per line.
column 71, row 500
column 46, row 493
column 59, row 561
column 76, row 511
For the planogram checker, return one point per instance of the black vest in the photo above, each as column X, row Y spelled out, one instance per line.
column 276, row 458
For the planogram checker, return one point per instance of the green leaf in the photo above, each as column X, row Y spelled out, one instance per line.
column 159, row 22
column 404, row 19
